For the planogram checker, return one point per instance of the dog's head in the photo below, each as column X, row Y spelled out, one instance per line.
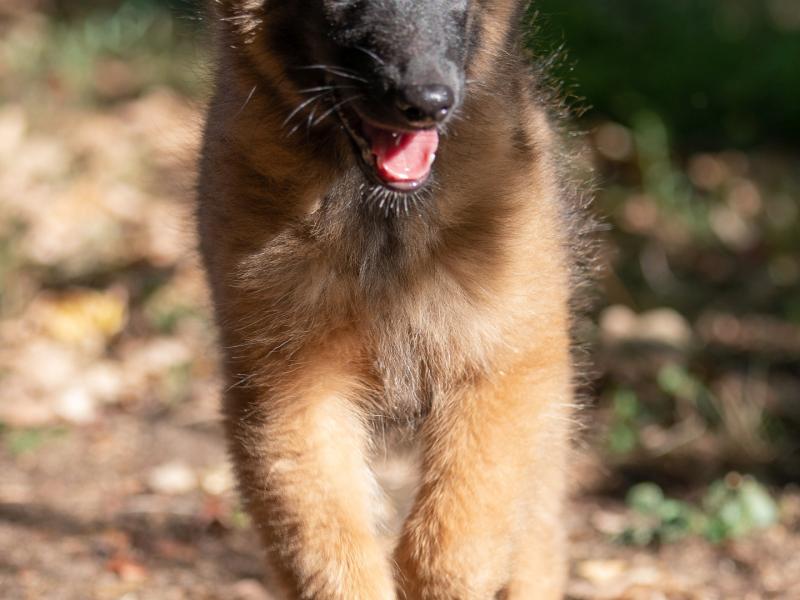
column 391, row 73
column 402, row 76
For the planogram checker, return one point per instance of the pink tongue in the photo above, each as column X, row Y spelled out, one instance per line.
column 403, row 157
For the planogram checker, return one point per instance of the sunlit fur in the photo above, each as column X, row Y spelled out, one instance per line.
column 350, row 316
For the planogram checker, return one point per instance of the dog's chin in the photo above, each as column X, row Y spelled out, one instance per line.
column 398, row 160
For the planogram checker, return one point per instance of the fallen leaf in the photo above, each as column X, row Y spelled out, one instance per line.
column 172, row 478
column 127, row 569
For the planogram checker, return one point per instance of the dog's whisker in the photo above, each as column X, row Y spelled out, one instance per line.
column 348, row 76
column 324, row 66
column 310, row 119
column 371, row 54
column 293, row 130
column 326, row 88
column 336, row 71
column 389, row 201
column 246, row 101
column 301, row 106
column 335, row 107
column 372, row 193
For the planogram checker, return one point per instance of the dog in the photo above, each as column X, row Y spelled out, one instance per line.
column 388, row 223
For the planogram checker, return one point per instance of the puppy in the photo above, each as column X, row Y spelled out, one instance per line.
column 387, row 226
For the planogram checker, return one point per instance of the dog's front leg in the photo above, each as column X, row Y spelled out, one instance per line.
column 493, row 461
column 299, row 448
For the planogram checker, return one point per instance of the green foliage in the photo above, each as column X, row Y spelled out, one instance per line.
column 10, row 234
column 735, row 506
column 731, row 508
column 165, row 320
column 681, row 385
column 25, row 441
column 718, row 71
column 176, row 384
column 705, row 234
column 239, row 518
column 661, row 519
column 105, row 55
column 622, row 434
column 165, row 313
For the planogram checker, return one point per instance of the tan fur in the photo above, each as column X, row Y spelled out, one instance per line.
column 460, row 340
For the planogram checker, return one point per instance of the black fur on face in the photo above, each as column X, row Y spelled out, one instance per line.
column 399, row 43
column 372, row 49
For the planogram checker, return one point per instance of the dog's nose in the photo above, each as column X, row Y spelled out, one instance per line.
column 424, row 105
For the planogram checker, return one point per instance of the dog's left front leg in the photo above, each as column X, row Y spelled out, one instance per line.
column 489, row 453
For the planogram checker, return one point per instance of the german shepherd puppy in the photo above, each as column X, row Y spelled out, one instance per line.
column 385, row 221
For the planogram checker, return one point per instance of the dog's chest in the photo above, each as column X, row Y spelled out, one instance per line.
column 427, row 341
column 426, row 315
column 424, row 322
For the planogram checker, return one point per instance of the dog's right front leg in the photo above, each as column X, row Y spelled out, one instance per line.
column 299, row 451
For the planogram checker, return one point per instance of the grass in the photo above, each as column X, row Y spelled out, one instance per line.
column 102, row 57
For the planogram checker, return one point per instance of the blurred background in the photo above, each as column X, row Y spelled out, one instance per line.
column 115, row 482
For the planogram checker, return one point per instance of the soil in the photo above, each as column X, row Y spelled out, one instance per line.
column 93, row 513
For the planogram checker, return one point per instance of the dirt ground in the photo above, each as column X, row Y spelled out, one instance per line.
column 114, row 478
column 138, row 505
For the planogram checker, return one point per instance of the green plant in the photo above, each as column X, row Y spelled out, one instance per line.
column 736, row 506
column 717, row 71
column 684, row 387
column 103, row 55
column 24, row 441
column 622, row 433
column 731, row 508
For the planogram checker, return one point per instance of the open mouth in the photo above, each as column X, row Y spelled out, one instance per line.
column 397, row 159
